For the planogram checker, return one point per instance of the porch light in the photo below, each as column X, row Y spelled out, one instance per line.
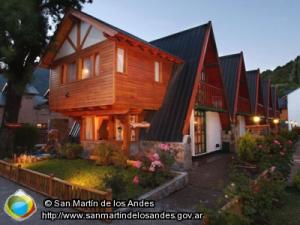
column 39, row 125
column 85, row 72
column 256, row 119
column 276, row 121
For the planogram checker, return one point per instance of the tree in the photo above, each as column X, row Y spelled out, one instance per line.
column 24, row 34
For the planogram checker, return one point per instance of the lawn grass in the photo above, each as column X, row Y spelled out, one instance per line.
column 289, row 214
column 86, row 173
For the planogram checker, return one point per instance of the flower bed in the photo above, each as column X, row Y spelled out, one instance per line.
column 258, row 178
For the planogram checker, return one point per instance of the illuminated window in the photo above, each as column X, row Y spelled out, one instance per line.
column 86, row 68
column 120, row 60
column 89, row 128
column 157, row 73
column 97, row 65
column 72, row 71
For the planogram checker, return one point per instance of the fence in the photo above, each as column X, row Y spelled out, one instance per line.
column 53, row 187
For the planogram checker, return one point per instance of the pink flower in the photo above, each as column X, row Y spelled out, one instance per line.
column 276, row 142
column 154, row 157
column 137, row 164
column 164, row 147
column 136, row 180
column 260, row 146
column 152, row 168
column 282, row 153
column 157, row 163
column 290, row 142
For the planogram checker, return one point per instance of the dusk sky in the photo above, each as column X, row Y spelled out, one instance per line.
column 268, row 32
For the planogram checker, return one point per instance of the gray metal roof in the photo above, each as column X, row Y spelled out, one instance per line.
column 167, row 124
column 230, row 67
column 252, row 77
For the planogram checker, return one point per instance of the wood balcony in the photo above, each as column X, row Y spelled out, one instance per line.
column 210, row 97
column 243, row 106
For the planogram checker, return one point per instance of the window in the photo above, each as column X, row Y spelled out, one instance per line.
column 119, row 130
column 97, row 65
column 86, row 68
column 72, row 71
column 120, row 60
column 157, row 73
column 89, row 128
column 63, row 74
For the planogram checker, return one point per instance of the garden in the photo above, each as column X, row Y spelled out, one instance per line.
column 128, row 178
column 258, row 183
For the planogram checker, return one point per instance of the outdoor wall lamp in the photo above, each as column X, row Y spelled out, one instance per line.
column 256, row 119
column 276, row 121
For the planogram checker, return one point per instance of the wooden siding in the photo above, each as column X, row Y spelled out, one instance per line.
column 91, row 92
column 136, row 87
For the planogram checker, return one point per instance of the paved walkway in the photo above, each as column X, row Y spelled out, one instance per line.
column 296, row 164
column 207, row 178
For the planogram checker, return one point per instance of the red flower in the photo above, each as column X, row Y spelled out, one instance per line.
column 136, row 180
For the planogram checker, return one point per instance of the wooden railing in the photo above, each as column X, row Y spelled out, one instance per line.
column 210, row 96
column 243, row 105
column 258, row 129
column 53, row 187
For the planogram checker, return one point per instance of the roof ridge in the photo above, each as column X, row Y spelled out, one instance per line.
column 180, row 32
column 231, row 55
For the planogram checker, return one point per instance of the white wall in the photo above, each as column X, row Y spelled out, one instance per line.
column 293, row 100
column 213, row 132
column 241, row 126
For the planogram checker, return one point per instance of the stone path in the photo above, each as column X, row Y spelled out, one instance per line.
column 296, row 164
column 207, row 178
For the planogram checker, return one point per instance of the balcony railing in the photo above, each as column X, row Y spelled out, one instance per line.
column 243, row 105
column 210, row 96
column 260, row 109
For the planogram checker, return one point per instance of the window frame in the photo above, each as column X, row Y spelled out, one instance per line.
column 160, row 80
column 124, row 60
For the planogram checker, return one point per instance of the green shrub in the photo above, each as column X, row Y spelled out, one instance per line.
column 117, row 182
column 25, row 138
column 296, row 181
column 71, row 151
column 246, row 148
column 110, row 155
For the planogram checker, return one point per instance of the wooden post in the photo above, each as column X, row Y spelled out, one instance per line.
column 110, row 128
column 18, row 173
column 126, row 134
column 51, row 184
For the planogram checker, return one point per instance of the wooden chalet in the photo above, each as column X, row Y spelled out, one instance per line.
column 236, row 86
column 195, row 103
column 105, row 78
column 256, row 124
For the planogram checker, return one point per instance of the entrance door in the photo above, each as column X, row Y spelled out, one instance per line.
column 199, row 132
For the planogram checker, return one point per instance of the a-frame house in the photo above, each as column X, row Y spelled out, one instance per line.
column 236, row 86
column 195, row 102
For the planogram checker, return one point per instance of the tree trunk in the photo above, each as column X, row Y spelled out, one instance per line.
column 10, row 115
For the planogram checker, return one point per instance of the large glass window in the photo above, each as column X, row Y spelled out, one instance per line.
column 86, row 68
column 72, row 71
column 120, row 60
column 89, row 128
column 200, row 132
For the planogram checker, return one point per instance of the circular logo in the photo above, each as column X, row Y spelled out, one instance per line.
column 20, row 206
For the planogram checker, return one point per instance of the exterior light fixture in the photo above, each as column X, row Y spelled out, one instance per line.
column 256, row 119
column 276, row 121
column 39, row 125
